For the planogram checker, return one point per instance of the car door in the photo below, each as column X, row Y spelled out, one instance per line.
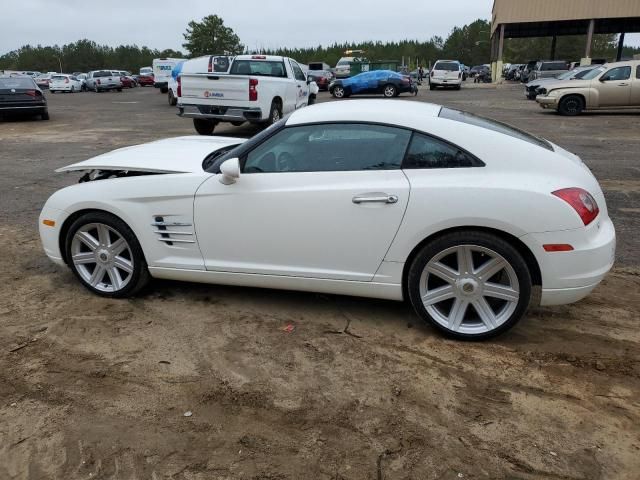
column 614, row 87
column 316, row 201
column 635, row 88
column 302, row 87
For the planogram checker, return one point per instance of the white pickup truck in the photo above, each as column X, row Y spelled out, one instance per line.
column 256, row 89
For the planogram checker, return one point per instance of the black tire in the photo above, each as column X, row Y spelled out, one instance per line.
column 457, row 87
column 389, row 91
column 73, row 90
column 96, row 89
column 339, row 92
column 237, row 124
column 432, row 87
column 204, row 126
column 477, row 239
column 44, row 115
column 138, row 278
column 119, row 89
column 172, row 100
column 312, row 100
column 164, row 89
column 52, row 92
column 275, row 113
column 571, row 105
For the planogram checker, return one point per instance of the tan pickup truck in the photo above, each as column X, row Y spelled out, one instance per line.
column 612, row 85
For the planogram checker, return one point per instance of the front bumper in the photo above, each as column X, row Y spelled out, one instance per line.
column 547, row 102
column 221, row 113
column 49, row 236
column 570, row 276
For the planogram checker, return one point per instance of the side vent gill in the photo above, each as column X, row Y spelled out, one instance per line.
column 172, row 232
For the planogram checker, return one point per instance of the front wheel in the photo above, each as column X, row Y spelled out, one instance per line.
column 470, row 285
column 338, row 92
column 204, row 126
column 390, row 91
column 571, row 105
column 106, row 256
column 172, row 100
column 312, row 100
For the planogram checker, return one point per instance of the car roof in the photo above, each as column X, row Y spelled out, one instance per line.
column 394, row 112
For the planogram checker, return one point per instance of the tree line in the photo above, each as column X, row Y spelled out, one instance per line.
column 470, row 44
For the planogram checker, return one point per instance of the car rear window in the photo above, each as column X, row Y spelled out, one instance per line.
column 259, row 67
column 448, row 66
column 464, row 117
column 58, row 77
column 17, row 82
column 103, row 74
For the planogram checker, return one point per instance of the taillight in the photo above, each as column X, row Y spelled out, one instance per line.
column 581, row 201
column 210, row 69
column 253, row 92
column 98, row 81
column 122, row 79
column 179, row 89
column 32, row 93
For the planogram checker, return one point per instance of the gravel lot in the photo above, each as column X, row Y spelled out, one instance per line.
column 360, row 389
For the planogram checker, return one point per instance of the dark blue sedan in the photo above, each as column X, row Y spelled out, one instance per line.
column 386, row 82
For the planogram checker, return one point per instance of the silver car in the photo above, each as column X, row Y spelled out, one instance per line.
column 548, row 69
column 102, row 80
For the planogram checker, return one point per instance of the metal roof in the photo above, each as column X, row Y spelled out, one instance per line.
column 529, row 11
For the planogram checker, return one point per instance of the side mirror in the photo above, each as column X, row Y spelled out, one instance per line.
column 230, row 171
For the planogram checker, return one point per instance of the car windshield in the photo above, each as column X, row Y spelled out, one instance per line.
column 594, row 73
column 258, row 67
column 448, row 66
column 565, row 75
column 493, row 125
column 343, row 61
column 16, row 82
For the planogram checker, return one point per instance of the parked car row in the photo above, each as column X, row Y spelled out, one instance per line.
column 96, row 80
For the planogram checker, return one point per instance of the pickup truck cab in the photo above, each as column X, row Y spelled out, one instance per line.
column 256, row 89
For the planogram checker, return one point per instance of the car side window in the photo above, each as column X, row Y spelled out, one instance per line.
column 297, row 72
column 617, row 74
column 429, row 152
column 329, row 148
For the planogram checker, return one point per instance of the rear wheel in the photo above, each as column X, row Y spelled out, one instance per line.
column 312, row 100
column 204, row 126
column 390, row 91
column 275, row 114
column 45, row 115
column 96, row 89
column 172, row 100
column 469, row 284
column 571, row 105
column 106, row 256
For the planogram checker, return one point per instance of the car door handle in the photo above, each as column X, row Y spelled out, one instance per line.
column 374, row 198
column 623, row 84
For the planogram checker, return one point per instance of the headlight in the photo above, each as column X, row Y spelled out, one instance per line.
column 552, row 93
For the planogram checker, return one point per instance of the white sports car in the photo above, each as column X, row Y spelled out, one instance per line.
column 460, row 215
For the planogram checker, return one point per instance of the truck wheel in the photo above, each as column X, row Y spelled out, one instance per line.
column 172, row 100
column 571, row 105
column 204, row 126
column 275, row 113
column 312, row 100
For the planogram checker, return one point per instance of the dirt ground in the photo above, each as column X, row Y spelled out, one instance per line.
column 359, row 389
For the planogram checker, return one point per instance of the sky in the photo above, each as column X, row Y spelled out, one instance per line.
column 259, row 23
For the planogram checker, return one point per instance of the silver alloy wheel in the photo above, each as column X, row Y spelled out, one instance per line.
column 469, row 289
column 338, row 92
column 102, row 257
column 389, row 91
column 276, row 115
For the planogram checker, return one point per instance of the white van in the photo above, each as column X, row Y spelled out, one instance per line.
column 162, row 72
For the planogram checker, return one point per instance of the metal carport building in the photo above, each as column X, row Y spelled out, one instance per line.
column 553, row 18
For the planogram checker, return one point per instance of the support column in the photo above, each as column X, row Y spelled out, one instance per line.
column 497, row 70
column 587, row 52
column 620, row 47
column 554, row 41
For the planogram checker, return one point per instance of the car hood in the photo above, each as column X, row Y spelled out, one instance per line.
column 172, row 155
column 544, row 81
column 567, row 84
